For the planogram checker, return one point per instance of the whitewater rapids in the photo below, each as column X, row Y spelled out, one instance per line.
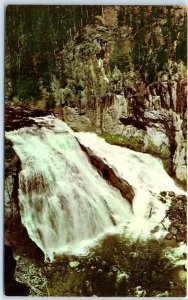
column 65, row 204
column 142, row 171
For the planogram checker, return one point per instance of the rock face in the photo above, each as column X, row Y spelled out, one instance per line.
column 12, row 287
column 101, row 97
column 15, row 234
column 177, row 214
column 108, row 173
column 127, row 81
column 20, row 116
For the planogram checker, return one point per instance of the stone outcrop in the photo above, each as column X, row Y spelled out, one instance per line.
column 109, row 174
column 177, row 214
column 20, row 116
column 12, row 287
column 107, row 90
column 150, row 116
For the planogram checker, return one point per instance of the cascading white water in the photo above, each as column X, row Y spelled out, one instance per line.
column 144, row 172
column 64, row 203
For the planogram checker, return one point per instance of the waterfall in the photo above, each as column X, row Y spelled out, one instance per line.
column 64, row 203
column 144, row 172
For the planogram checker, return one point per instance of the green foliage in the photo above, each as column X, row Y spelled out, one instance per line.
column 34, row 35
column 161, row 58
column 137, row 143
column 162, row 151
column 126, row 141
column 165, row 27
column 50, row 102
column 143, row 263
column 25, row 88
column 119, row 59
column 181, row 50
column 117, row 266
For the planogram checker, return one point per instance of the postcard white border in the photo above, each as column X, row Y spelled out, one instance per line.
column 3, row 4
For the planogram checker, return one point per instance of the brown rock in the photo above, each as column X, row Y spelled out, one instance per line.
column 180, row 237
column 171, row 194
column 169, row 236
column 182, row 197
column 162, row 200
column 108, row 173
column 173, row 230
column 163, row 193
column 156, row 229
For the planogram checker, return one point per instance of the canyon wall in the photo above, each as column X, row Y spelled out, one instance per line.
column 107, row 92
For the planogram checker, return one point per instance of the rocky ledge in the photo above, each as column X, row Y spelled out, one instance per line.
column 12, row 287
column 109, row 173
column 20, row 116
column 177, row 214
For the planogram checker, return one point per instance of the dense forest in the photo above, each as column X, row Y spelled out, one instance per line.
column 35, row 35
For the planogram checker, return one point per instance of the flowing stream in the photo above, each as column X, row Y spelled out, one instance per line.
column 65, row 204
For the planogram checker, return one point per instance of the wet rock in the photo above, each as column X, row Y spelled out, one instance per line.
column 12, row 287
column 74, row 264
column 17, row 117
column 171, row 194
column 162, row 200
column 180, row 237
column 169, row 236
column 181, row 197
column 156, row 229
column 174, row 199
column 109, row 174
column 91, row 261
column 185, row 255
column 121, row 276
column 163, row 194
column 173, row 230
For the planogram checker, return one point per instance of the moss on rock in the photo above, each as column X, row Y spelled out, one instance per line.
column 133, row 143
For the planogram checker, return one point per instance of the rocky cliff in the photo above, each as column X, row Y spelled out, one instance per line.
column 109, row 92
column 124, row 77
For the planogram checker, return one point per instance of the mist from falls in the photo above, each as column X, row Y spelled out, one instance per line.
column 65, row 204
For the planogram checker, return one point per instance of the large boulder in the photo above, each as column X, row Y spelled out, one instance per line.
column 109, row 174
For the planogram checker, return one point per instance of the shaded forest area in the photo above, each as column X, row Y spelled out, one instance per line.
column 35, row 35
